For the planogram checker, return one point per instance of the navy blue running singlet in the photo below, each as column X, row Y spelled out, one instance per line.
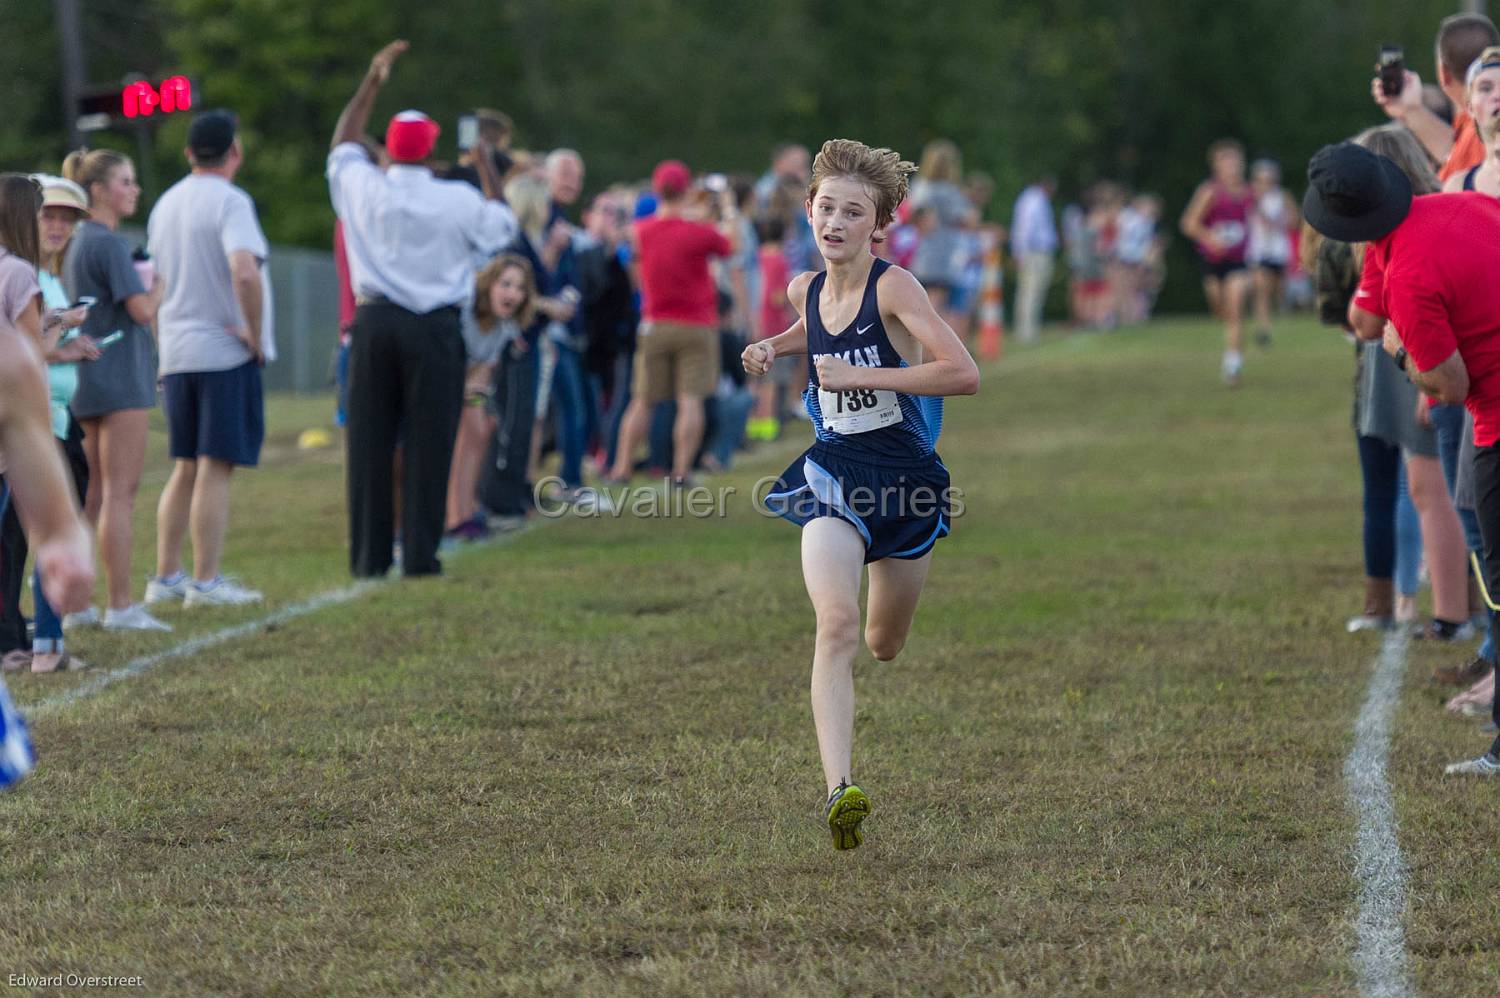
column 865, row 423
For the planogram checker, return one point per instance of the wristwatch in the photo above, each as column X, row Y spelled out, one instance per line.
column 1400, row 358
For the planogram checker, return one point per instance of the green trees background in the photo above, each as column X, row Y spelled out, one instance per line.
column 1126, row 89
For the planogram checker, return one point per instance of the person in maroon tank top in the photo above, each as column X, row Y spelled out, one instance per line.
column 1217, row 221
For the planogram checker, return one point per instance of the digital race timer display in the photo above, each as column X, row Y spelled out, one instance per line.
column 137, row 101
column 142, row 100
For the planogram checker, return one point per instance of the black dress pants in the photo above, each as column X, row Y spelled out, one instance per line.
column 406, row 379
column 1487, row 508
column 12, row 578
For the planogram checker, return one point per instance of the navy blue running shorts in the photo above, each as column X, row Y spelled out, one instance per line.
column 217, row 414
column 901, row 509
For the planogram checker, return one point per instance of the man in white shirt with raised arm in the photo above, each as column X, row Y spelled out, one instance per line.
column 412, row 241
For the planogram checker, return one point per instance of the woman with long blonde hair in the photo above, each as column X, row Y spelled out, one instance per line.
column 117, row 392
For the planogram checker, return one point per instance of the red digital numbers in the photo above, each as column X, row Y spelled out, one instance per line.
column 142, row 100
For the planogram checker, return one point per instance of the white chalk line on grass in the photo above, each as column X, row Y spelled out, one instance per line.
column 1379, row 867
column 203, row 642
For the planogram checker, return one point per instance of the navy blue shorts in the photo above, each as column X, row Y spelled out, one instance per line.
column 217, row 414
column 899, row 508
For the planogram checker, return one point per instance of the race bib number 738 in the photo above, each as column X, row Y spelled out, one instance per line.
column 859, row 410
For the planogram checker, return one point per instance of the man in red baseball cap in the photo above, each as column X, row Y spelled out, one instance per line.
column 677, row 351
column 410, row 137
column 411, row 242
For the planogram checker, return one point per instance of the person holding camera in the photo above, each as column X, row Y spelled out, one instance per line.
column 677, row 352
column 412, row 241
column 1398, row 92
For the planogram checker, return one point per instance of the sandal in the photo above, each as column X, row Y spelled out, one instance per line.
column 15, row 661
column 65, row 663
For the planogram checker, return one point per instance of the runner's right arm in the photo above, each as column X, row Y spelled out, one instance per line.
column 356, row 114
column 35, row 473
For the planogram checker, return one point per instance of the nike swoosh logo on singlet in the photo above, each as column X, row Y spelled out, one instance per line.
column 864, row 329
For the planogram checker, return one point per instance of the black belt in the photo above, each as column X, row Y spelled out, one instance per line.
column 377, row 299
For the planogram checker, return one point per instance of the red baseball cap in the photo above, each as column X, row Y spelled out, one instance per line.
column 410, row 136
column 671, row 178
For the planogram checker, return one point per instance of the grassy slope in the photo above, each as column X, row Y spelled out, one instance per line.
column 1109, row 759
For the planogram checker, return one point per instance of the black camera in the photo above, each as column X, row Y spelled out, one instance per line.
column 1391, row 66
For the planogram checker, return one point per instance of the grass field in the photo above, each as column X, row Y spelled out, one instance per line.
column 1109, row 760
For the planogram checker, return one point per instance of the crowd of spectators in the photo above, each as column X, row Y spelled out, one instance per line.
column 1115, row 256
column 182, row 316
column 1404, row 237
column 493, row 321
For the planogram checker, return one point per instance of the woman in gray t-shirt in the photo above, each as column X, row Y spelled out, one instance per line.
column 116, row 392
column 943, row 210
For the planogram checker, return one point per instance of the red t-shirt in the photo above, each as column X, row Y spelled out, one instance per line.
column 1434, row 279
column 1467, row 151
column 346, row 288
column 776, row 314
column 675, row 283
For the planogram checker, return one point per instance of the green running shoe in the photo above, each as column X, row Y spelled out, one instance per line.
column 847, row 807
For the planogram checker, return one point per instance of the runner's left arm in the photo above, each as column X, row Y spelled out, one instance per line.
column 950, row 372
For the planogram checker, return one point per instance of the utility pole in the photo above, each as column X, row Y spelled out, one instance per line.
column 70, row 42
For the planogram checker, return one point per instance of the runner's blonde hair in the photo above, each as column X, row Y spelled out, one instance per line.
column 882, row 171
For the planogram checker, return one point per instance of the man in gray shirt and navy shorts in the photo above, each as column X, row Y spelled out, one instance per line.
column 210, row 250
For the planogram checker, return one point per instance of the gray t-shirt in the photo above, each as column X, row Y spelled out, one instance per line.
column 936, row 257
column 98, row 264
column 483, row 346
column 198, row 222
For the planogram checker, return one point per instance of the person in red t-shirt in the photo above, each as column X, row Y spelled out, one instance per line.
column 677, row 352
column 1428, row 290
column 1460, row 40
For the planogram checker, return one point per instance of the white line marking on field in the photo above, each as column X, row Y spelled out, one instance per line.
column 194, row 645
column 1379, row 867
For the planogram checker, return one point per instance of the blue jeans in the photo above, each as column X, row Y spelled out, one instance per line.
column 619, row 400
column 731, row 413
column 663, row 418
column 1380, row 464
column 1448, row 420
column 49, row 633
column 570, row 399
column 1408, row 538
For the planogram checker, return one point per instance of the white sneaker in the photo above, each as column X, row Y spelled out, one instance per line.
column 133, row 618
column 1233, row 364
column 220, row 592
column 159, row 590
column 1485, row 765
column 88, row 617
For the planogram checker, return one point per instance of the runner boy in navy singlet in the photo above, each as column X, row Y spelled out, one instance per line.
column 871, row 490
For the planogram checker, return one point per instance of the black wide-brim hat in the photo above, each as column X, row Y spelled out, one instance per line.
column 1354, row 195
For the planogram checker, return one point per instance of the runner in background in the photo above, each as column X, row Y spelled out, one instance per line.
column 1272, row 220
column 1217, row 221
